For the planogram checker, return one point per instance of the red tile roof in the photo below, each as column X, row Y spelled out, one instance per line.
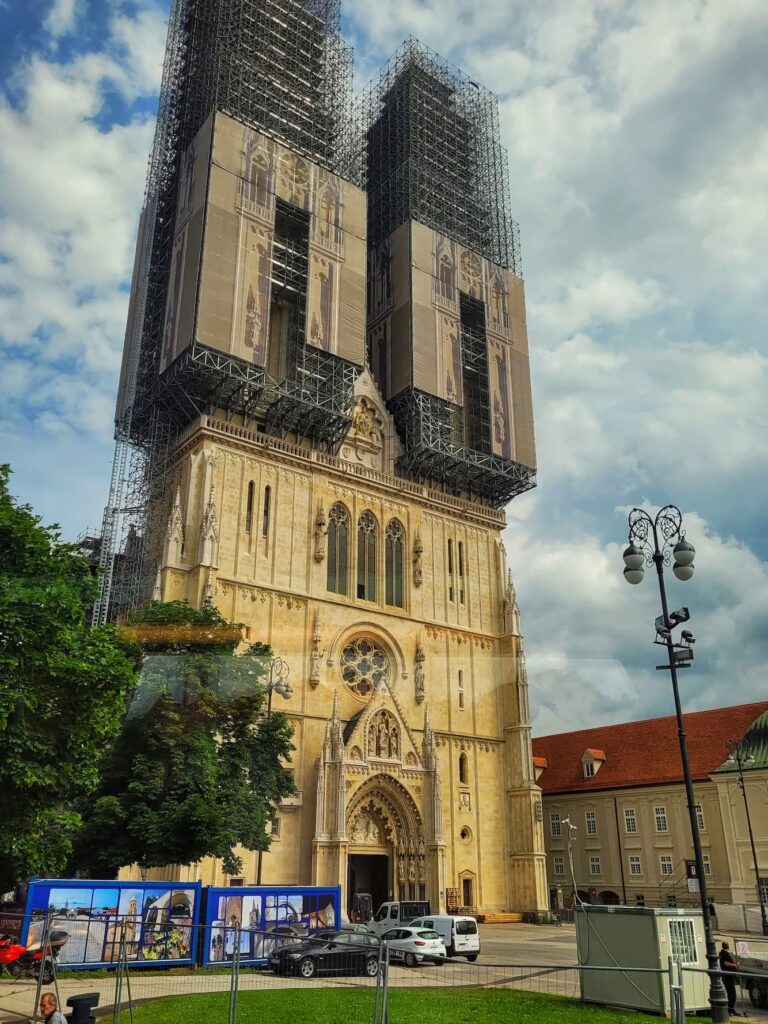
column 540, row 762
column 642, row 753
column 598, row 755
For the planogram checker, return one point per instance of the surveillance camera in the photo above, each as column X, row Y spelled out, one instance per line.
column 688, row 637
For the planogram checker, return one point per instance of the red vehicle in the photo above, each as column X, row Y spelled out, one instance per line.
column 26, row 961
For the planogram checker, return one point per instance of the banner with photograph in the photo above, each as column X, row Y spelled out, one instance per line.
column 156, row 920
column 262, row 916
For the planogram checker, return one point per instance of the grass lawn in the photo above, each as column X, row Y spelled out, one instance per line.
column 406, row 1006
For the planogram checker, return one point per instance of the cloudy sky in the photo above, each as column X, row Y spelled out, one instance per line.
column 638, row 150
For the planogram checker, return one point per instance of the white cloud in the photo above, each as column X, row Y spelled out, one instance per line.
column 61, row 18
column 607, row 296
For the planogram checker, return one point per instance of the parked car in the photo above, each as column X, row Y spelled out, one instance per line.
column 328, row 952
column 459, row 934
column 414, row 945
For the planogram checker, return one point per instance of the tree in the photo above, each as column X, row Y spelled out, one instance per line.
column 196, row 770
column 63, row 688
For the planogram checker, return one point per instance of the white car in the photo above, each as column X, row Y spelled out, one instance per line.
column 414, row 945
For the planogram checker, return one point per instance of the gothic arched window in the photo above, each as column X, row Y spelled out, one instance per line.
column 367, row 532
column 394, row 543
column 338, row 549
column 463, row 769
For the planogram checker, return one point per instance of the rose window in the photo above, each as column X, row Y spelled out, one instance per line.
column 363, row 665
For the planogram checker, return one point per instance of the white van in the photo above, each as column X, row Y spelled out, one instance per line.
column 390, row 915
column 459, row 934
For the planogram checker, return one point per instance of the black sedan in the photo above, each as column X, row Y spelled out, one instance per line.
column 328, row 952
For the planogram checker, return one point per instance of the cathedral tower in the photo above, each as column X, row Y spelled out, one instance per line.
column 324, row 406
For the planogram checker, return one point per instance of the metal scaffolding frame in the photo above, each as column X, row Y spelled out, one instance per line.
column 281, row 67
column 425, row 142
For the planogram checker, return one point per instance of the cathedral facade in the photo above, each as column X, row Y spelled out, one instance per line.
column 337, row 359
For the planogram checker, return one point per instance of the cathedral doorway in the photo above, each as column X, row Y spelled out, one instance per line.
column 369, row 872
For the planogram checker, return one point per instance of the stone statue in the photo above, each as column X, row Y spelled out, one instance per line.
column 418, row 674
column 382, row 744
column 321, row 531
column 418, row 551
column 393, row 744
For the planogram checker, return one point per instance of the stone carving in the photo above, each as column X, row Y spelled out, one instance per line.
column 321, row 532
column 465, row 803
column 315, row 654
column 418, row 551
column 365, row 830
column 418, row 674
column 383, row 737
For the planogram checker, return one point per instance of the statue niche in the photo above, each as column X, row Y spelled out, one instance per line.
column 383, row 737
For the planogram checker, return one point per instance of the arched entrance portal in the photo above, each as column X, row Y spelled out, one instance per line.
column 386, row 843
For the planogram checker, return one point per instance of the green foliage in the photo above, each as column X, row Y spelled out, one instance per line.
column 195, row 771
column 62, row 691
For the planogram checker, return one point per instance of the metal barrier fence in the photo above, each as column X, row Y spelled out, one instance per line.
column 377, row 980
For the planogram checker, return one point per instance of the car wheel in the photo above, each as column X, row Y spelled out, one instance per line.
column 371, row 966
column 307, row 968
column 410, row 959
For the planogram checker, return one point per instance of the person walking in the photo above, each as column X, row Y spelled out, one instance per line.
column 49, row 1008
column 729, row 966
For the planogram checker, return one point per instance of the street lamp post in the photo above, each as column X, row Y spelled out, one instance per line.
column 278, row 683
column 741, row 757
column 653, row 542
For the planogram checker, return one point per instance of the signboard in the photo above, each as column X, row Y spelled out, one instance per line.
column 262, row 915
column 157, row 920
column 692, row 876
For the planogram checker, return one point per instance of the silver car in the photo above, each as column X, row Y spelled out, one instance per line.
column 414, row 945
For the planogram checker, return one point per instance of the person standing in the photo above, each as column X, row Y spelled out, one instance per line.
column 49, row 1008
column 729, row 966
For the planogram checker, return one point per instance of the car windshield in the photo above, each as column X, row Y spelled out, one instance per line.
column 428, row 934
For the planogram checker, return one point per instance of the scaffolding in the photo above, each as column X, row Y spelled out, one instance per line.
column 425, row 142
column 281, row 67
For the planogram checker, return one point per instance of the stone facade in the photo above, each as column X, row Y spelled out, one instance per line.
column 411, row 724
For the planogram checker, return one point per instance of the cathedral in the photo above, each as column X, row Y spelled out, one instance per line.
column 326, row 373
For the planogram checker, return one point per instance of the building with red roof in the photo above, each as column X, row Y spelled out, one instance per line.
column 617, row 828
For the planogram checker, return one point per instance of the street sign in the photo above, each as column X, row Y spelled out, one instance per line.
column 692, row 876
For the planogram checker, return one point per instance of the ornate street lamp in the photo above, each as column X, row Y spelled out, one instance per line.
column 278, row 683
column 655, row 542
column 739, row 758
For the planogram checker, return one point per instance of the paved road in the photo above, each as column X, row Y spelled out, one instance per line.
column 512, row 956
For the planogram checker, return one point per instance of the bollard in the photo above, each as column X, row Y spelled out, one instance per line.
column 81, row 1008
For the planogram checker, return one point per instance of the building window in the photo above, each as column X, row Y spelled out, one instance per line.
column 450, row 570
column 630, row 821
column 236, row 882
column 589, row 769
column 367, row 530
column 665, row 862
column 461, row 689
column 249, row 508
column 363, row 665
column 635, row 867
column 660, row 813
column 559, row 865
column 394, row 559
column 682, row 941
column 700, row 818
column 463, row 769
column 265, row 516
column 707, row 865
column 461, row 571
column 639, row 900
column 274, row 828
column 594, row 865
column 671, row 899
column 591, row 822
column 467, row 891
column 762, row 884
column 555, row 829
column 338, row 549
